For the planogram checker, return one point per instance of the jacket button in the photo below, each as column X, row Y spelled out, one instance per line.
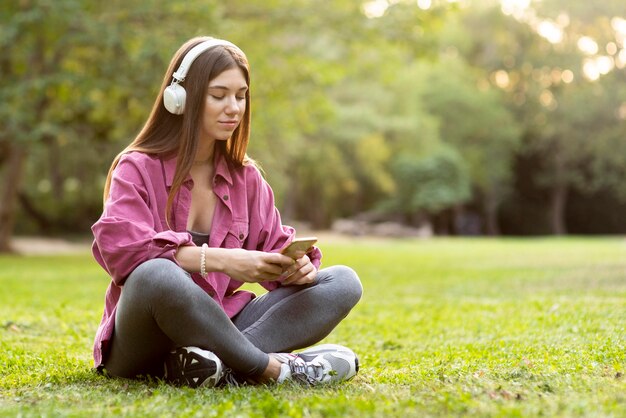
column 225, row 197
column 240, row 236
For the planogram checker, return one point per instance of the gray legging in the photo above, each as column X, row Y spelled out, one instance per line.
column 161, row 308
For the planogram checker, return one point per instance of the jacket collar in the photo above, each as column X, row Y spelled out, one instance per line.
column 222, row 168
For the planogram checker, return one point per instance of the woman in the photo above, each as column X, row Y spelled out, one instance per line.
column 188, row 219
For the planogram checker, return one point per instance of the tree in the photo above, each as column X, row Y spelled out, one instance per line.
column 347, row 103
column 321, row 126
column 31, row 74
column 70, row 99
column 533, row 55
column 430, row 184
column 475, row 121
column 584, row 130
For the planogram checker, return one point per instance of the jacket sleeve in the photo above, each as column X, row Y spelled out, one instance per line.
column 272, row 234
column 129, row 232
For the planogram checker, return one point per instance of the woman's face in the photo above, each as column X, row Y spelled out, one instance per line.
column 225, row 104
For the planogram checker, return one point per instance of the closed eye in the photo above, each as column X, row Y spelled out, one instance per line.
column 222, row 97
column 219, row 92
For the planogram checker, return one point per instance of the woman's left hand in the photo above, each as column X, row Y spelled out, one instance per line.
column 302, row 272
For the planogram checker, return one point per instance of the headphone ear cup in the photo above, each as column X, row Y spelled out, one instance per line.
column 174, row 98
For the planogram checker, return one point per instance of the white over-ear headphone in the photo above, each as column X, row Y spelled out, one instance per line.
column 174, row 95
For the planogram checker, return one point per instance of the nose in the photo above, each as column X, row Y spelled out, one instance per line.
column 232, row 106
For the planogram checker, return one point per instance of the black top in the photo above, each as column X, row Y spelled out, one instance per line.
column 199, row 238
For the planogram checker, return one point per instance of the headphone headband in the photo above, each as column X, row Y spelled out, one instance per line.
column 180, row 74
column 174, row 95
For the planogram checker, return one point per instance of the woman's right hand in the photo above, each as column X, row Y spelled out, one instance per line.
column 239, row 264
column 253, row 266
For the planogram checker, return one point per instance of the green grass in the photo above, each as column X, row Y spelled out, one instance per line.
column 510, row 327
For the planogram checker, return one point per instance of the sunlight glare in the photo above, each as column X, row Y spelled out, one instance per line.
column 556, row 76
column 591, row 70
column 611, row 48
column 620, row 61
column 587, row 45
column 619, row 25
column 550, row 31
column 563, row 20
column 567, row 76
column 514, row 7
column 547, row 100
column 375, row 8
column 604, row 64
column 424, row 4
column 501, row 79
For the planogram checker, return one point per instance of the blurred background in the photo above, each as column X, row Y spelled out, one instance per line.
column 402, row 117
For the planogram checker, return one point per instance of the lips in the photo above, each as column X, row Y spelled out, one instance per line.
column 228, row 123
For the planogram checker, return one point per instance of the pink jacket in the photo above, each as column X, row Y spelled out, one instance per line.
column 132, row 228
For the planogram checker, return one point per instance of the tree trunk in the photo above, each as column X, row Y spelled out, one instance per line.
column 558, row 202
column 289, row 209
column 9, row 194
column 316, row 209
column 558, row 198
column 44, row 223
column 492, row 226
column 54, row 159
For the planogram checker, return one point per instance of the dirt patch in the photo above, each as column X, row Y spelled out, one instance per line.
column 45, row 246
column 52, row 246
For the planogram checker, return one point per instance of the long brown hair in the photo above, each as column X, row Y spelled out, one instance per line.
column 165, row 134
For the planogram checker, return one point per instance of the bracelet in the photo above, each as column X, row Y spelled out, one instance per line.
column 203, row 272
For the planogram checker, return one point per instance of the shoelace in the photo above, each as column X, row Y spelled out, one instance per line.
column 231, row 379
column 309, row 373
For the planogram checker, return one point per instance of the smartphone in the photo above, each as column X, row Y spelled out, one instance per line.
column 298, row 245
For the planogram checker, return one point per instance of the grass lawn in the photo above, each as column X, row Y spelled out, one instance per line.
column 446, row 327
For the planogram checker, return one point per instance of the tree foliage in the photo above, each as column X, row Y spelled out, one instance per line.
column 411, row 110
column 430, row 183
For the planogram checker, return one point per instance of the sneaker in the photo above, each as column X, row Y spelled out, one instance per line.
column 194, row 367
column 231, row 378
column 326, row 363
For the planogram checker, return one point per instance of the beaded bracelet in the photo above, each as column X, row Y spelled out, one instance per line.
column 203, row 272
